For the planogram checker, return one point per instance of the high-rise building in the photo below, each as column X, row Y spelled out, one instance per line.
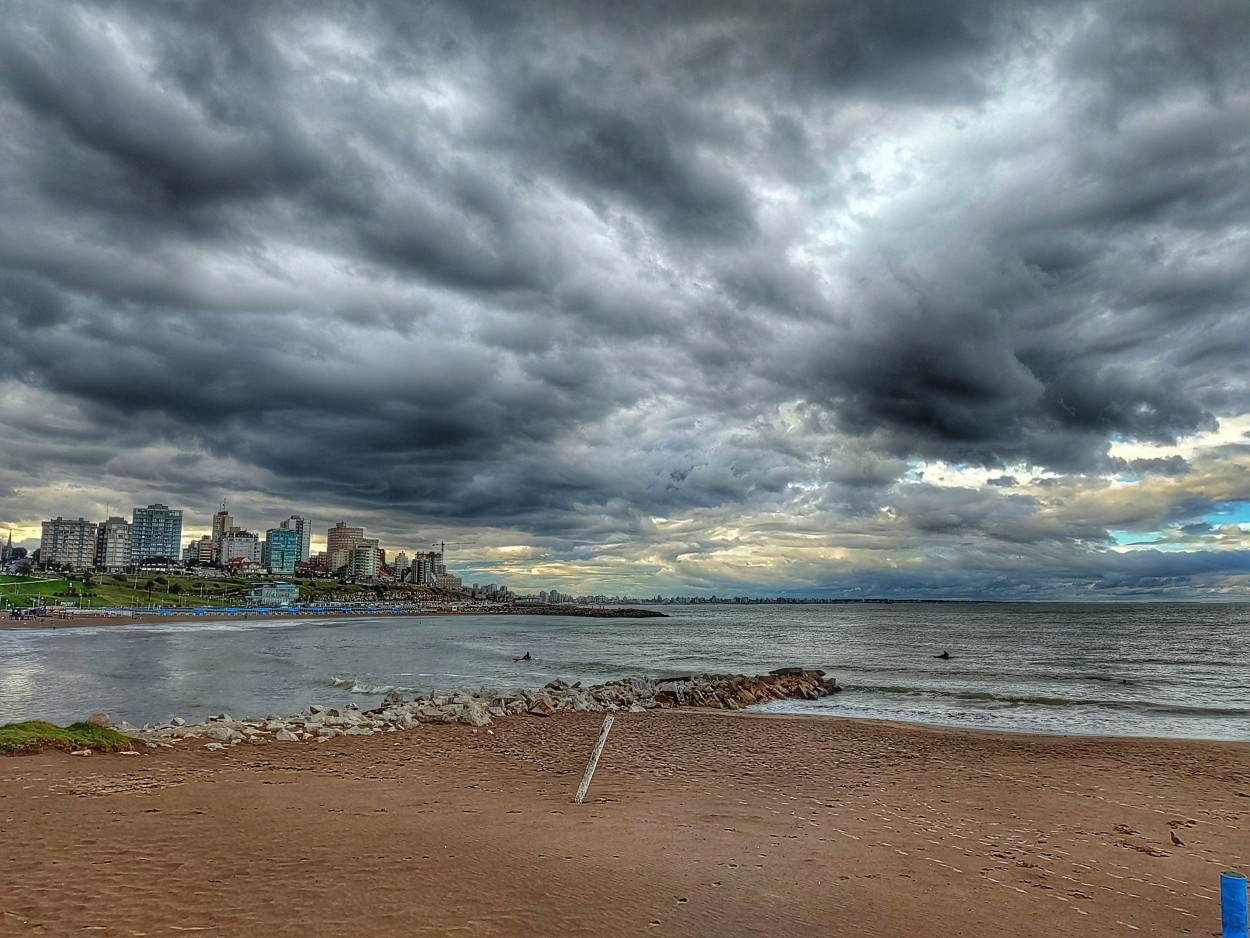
column 303, row 529
column 71, row 542
column 236, row 545
column 156, row 531
column 281, row 552
column 341, row 540
column 222, row 522
column 401, row 562
column 112, row 545
column 200, row 551
column 427, row 567
column 363, row 562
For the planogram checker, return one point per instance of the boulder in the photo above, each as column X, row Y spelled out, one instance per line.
column 285, row 736
column 436, row 714
column 541, row 708
column 99, row 719
column 473, row 714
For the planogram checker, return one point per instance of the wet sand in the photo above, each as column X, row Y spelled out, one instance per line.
column 698, row 823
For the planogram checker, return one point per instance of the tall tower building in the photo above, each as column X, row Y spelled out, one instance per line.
column 222, row 521
column 223, row 524
column 362, row 561
column 281, row 550
column 303, row 530
column 71, row 542
column 156, row 531
column 340, row 541
column 112, row 545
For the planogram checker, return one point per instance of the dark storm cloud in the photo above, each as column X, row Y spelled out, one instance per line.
column 569, row 268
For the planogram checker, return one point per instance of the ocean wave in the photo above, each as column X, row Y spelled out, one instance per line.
column 361, row 687
column 1073, row 677
column 980, row 696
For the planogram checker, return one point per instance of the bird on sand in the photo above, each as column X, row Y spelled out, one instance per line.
column 1176, row 840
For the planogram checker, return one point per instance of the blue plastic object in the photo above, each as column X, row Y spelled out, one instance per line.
column 1233, row 904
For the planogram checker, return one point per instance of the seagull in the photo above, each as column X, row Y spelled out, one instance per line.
column 1176, row 840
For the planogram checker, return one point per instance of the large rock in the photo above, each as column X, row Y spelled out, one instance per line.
column 542, row 708
column 99, row 719
column 473, row 714
column 436, row 714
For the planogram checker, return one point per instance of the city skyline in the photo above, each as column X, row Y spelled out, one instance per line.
column 862, row 299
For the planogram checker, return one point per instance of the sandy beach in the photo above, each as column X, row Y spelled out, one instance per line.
column 698, row 823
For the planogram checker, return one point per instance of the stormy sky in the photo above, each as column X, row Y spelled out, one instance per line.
column 866, row 298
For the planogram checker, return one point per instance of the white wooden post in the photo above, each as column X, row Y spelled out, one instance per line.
column 594, row 759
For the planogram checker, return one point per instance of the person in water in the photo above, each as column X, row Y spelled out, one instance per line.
column 524, row 657
column 944, row 655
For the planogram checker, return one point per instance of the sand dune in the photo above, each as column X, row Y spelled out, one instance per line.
column 697, row 824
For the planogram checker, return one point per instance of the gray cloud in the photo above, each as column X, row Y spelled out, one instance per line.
column 557, row 272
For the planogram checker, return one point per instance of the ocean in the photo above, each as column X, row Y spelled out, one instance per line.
column 1174, row 670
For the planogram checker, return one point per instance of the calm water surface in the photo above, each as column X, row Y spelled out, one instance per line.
column 1143, row 670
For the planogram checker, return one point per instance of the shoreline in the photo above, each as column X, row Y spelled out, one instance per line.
column 66, row 620
column 1102, row 728
column 697, row 823
column 72, row 622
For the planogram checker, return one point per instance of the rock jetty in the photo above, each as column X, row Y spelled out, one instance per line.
column 586, row 612
column 481, row 706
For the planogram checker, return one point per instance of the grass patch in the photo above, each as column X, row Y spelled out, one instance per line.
column 38, row 735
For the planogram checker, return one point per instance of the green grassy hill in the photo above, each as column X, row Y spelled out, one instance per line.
column 109, row 590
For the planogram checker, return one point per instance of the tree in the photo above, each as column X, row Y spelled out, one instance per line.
column 24, row 569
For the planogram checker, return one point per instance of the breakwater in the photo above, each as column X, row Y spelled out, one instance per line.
column 479, row 707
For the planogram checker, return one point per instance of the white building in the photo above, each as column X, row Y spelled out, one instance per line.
column 71, row 542
column 363, row 562
column 238, row 545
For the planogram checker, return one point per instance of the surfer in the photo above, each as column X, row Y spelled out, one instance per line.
column 524, row 657
column 944, row 655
